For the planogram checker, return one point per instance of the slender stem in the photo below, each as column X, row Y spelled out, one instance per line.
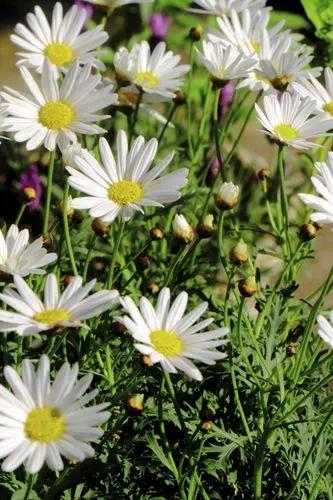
column 29, row 487
column 163, row 435
column 20, row 214
column 308, row 455
column 135, row 116
column 168, row 120
column 313, row 493
column 172, row 393
column 133, row 259
column 118, row 239
column 189, row 102
column 259, row 463
column 284, row 196
column 66, row 228
column 89, row 255
column 179, row 260
column 49, row 192
column 268, row 207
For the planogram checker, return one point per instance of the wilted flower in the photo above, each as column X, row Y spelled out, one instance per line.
column 182, row 229
column 30, row 179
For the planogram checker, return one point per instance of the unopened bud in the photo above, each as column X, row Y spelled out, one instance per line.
column 308, row 232
column 145, row 361
column 196, row 33
column 122, row 80
column 118, row 328
column 263, row 174
column 292, row 349
column 207, row 426
column 60, row 209
column 135, row 404
column 248, row 286
column 218, row 83
column 68, row 278
column 153, row 288
column 29, row 194
column 180, row 98
column 143, row 262
column 228, row 196
column 99, row 227
column 77, row 217
column 48, row 242
column 239, row 254
column 205, row 228
column 182, row 230
column 156, row 234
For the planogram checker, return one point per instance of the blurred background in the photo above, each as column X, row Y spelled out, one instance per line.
column 255, row 150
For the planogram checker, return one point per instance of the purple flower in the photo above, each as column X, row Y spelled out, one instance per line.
column 89, row 9
column 30, row 179
column 159, row 25
column 226, row 98
column 213, row 165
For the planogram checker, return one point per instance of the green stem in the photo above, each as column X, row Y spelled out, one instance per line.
column 118, row 239
column 168, row 120
column 66, row 228
column 89, row 255
column 29, row 487
column 259, row 463
column 49, row 192
column 284, row 196
column 135, row 116
column 164, row 438
column 180, row 258
column 172, row 393
column 189, row 102
column 308, row 455
column 313, row 493
column 20, row 214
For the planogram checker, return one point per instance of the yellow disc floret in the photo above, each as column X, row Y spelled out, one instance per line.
column 146, row 79
column 124, row 192
column 166, row 343
column 44, row 425
column 59, row 54
column 51, row 316
column 328, row 108
column 285, row 132
column 56, row 115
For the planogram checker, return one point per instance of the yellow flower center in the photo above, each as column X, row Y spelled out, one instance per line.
column 124, row 192
column 166, row 343
column 256, row 46
column 146, row 79
column 51, row 316
column 59, row 54
column 285, row 132
column 56, row 115
column 328, row 108
column 44, row 425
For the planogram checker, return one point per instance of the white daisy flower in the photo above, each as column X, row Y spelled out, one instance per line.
column 169, row 337
column 119, row 188
column 224, row 7
column 246, row 31
column 283, row 67
column 323, row 95
column 60, row 42
column 116, row 4
column 156, row 72
column 40, row 420
column 53, row 114
column 18, row 256
column 225, row 63
column 288, row 121
column 323, row 184
column 325, row 329
column 66, row 310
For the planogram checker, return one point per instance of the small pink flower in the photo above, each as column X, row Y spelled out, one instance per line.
column 226, row 97
column 159, row 25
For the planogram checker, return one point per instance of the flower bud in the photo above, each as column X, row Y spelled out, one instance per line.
column 118, row 328
column 181, row 229
column 205, row 228
column 156, row 234
column 122, row 80
column 68, row 278
column 70, row 209
column 145, row 361
column 180, row 98
column 263, row 174
column 291, row 350
column 153, row 288
column 135, row 404
column 239, row 254
column 48, row 242
column 248, row 286
column 228, row 196
column 207, row 426
column 196, row 33
column 143, row 262
column 99, row 227
column 308, row 232
column 29, row 194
